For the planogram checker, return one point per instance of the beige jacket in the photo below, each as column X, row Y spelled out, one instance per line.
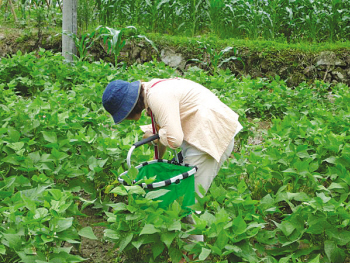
column 185, row 110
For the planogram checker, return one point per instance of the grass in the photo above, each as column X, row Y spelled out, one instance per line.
column 253, row 45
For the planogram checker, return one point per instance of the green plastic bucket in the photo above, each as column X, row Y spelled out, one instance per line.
column 175, row 177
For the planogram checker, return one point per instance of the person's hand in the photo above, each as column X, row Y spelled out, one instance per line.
column 149, row 134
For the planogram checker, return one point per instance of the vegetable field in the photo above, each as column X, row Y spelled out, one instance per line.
column 282, row 199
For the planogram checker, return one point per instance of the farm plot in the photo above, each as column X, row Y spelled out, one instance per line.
column 282, row 199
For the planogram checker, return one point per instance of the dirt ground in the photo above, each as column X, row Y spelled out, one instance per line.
column 95, row 250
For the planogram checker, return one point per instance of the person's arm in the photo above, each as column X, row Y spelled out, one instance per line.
column 161, row 150
column 161, row 147
column 165, row 108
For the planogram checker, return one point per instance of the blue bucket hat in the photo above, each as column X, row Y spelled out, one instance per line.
column 120, row 97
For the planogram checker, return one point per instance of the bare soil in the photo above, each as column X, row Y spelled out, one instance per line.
column 95, row 250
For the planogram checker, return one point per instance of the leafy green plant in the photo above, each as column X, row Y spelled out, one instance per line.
column 116, row 39
column 280, row 20
column 83, row 44
column 283, row 198
column 216, row 59
column 140, row 224
column 37, row 220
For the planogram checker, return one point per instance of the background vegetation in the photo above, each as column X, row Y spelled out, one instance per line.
column 279, row 20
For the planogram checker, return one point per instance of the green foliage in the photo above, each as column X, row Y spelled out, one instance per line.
column 83, row 44
column 25, row 13
column 37, row 219
column 284, row 199
column 291, row 21
column 214, row 60
column 116, row 39
column 285, row 20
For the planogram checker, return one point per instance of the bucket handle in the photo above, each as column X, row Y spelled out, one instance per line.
column 139, row 143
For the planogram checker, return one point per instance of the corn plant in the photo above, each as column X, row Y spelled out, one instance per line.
column 216, row 59
column 116, row 39
column 83, row 44
column 85, row 13
column 216, row 15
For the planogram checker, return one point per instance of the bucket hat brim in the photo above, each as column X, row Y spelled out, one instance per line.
column 121, row 111
column 129, row 102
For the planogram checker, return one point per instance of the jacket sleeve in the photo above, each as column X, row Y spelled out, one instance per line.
column 166, row 110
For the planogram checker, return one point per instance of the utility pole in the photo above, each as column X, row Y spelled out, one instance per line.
column 69, row 25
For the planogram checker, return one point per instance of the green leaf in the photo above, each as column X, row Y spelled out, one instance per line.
column 175, row 255
column 2, row 250
column 324, row 198
column 62, row 117
column 235, row 249
column 239, row 225
column 204, row 254
column 125, row 241
column 344, row 238
column 119, row 206
column 119, row 191
column 3, row 130
column 69, row 236
column 13, row 134
column 14, row 240
column 175, row 226
column 16, row 146
column 4, row 194
column 22, row 181
column 11, row 159
column 167, row 238
column 34, row 156
column 335, row 186
column 138, row 243
column 241, row 187
column 333, row 253
column 313, row 167
column 87, row 232
column 222, row 240
column 135, row 189
column 50, row 136
column 286, row 227
column 56, row 194
column 157, row 249
column 109, row 233
column 331, row 159
column 316, row 259
column 64, row 257
column 57, row 155
column 302, row 197
column 63, row 224
column 132, row 173
column 30, row 204
column 157, row 193
column 290, row 170
column 41, row 213
column 149, row 229
column 267, row 202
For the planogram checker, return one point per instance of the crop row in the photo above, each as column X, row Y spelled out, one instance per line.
column 292, row 20
column 296, row 20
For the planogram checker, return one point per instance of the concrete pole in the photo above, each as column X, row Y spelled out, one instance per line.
column 69, row 25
